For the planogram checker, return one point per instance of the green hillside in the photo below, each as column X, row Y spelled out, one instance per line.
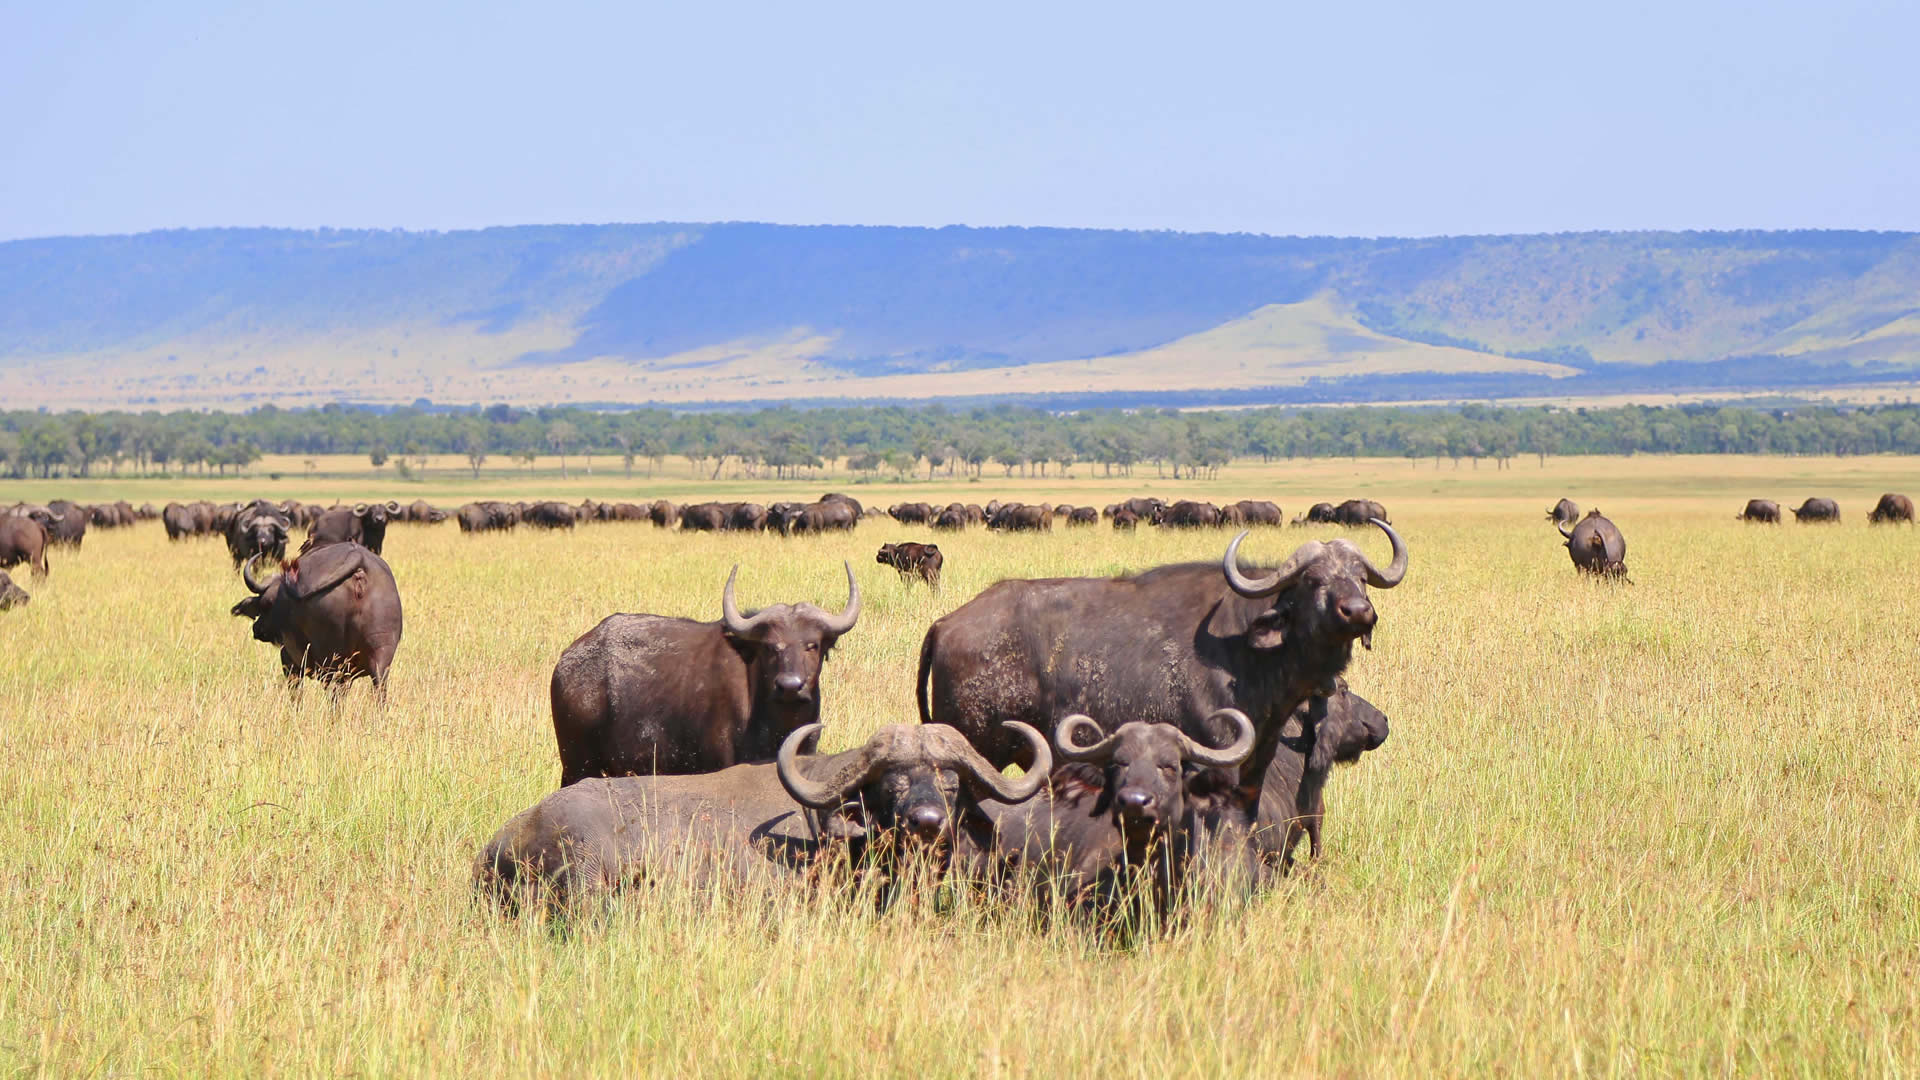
column 744, row 312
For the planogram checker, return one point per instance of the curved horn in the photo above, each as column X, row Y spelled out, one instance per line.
column 393, row 506
column 1562, row 526
column 730, row 613
column 1231, row 754
column 826, row 793
column 1100, row 750
column 56, row 518
column 359, row 509
column 1281, row 578
column 843, row 622
column 1396, row 570
column 1002, row 787
column 246, row 574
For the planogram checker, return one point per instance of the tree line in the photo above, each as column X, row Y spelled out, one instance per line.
column 902, row 441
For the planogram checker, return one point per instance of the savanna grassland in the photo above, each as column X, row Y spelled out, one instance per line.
column 1665, row 828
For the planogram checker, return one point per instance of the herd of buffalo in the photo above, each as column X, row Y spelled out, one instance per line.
column 1172, row 726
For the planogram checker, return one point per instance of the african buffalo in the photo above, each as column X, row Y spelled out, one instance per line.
column 1124, row 518
column 190, row 519
column 644, row 694
column 703, row 517
column 952, row 519
column 422, row 512
column 260, row 528
column 1817, row 510
column 1317, row 514
column 1259, row 512
column 1764, row 511
column 834, row 496
column 23, row 540
column 11, row 595
column 1357, row 513
column 911, row 513
column 747, row 517
column 550, row 515
column 1596, row 546
column 1564, row 512
column 921, row 561
column 362, row 523
column 662, row 513
column 1171, row 645
column 334, row 612
column 1083, row 515
column 1019, row 517
column 909, row 790
column 1892, row 508
column 65, row 522
column 1188, row 514
column 1141, row 800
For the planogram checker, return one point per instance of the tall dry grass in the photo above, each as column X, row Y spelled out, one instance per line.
column 1665, row 828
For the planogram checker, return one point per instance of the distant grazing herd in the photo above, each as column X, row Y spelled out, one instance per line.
column 1175, row 727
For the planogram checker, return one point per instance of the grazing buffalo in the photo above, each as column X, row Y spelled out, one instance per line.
column 703, row 517
column 146, row 512
column 911, row 513
column 1564, row 512
column 1019, row 517
column 1141, row 800
column 1124, row 518
column 1317, row 514
column 909, row 791
column 363, row 523
column 662, row 513
column 1083, row 515
column 952, row 519
column 827, row 515
column 334, row 612
column 422, row 512
column 1187, row 514
column 834, row 496
column 747, row 517
column 1171, row 645
column 1764, row 511
column 260, row 528
column 1892, row 508
column 1324, row 731
column 921, row 561
column 1818, row 509
column 1356, row 513
column 1596, row 546
column 550, row 515
column 23, row 540
column 644, row 694
column 190, row 519
column 65, row 522
column 1259, row 512
column 11, row 595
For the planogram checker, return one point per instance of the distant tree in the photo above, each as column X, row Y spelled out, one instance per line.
column 475, row 446
column 378, row 456
column 560, row 435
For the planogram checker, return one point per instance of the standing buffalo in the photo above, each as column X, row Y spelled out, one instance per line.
column 422, row 512
column 662, row 513
column 364, row 524
column 913, row 560
column 334, row 612
column 1763, row 511
column 1187, row 514
column 11, row 595
column 260, row 528
column 1317, row 514
column 909, row 790
column 1259, row 512
column 1564, row 512
column 1083, row 515
column 644, row 694
column 703, row 517
column 550, row 515
column 1818, row 509
column 65, row 522
column 1124, row 518
column 1892, row 508
column 23, row 540
column 1596, row 546
column 1019, row 517
column 1356, row 513
column 1171, row 645
column 191, row 519
column 911, row 513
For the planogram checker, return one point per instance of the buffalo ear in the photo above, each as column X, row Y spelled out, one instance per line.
column 1266, row 631
column 847, row 822
column 250, row 608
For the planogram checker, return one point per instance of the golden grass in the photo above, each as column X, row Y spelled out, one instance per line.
column 1666, row 828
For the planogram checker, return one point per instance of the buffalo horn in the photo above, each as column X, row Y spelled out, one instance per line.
column 843, row 622
column 246, row 575
column 1098, row 751
column 1248, row 587
column 827, row 793
column 1231, row 754
column 393, row 506
column 1396, row 570
column 736, row 622
column 1562, row 526
column 1004, row 788
column 359, row 509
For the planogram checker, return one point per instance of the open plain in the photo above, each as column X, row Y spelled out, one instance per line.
column 1671, row 827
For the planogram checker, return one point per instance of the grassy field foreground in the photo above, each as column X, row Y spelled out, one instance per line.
column 1665, row 828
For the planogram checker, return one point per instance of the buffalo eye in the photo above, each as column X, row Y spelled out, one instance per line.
column 813, row 646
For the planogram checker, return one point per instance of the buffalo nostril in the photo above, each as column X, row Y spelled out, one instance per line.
column 926, row 820
column 1355, row 610
column 789, row 683
column 1136, row 800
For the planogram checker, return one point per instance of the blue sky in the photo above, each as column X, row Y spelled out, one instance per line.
column 1382, row 118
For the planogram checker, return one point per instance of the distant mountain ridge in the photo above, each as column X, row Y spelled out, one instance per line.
column 688, row 313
